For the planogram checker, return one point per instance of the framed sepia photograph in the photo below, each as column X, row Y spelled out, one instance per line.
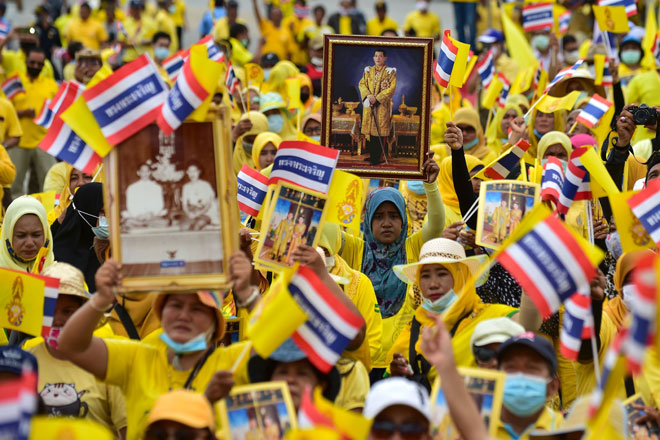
column 376, row 103
column 171, row 207
column 486, row 388
column 502, row 206
column 259, row 411
column 295, row 216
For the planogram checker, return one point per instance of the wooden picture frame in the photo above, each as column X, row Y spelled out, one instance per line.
column 257, row 411
column 175, row 230
column 349, row 72
column 487, row 389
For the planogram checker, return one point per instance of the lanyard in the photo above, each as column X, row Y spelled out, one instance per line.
column 198, row 366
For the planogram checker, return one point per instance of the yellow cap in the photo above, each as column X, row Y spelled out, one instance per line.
column 185, row 407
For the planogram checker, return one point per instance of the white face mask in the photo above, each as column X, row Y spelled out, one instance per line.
column 317, row 61
column 330, row 262
column 571, row 57
column 422, row 6
column 628, row 296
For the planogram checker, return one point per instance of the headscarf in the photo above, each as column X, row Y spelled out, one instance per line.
column 278, row 76
column 496, row 137
column 469, row 116
column 65, row 196
column 378, row 258
column 446, row 180
column 260, row 142
column 74, row 239
column 305, row 80
column 552, row 138
column 518, row 100
column 241, row 157
column 23, row 205
column 310, row 117
column 271, row 101
column 533, row 141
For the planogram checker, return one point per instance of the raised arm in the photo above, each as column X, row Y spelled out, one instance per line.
column 257, row 13
column 435, row 223
column 460, row 173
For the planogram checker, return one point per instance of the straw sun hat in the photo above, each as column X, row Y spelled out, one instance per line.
column 437, row 251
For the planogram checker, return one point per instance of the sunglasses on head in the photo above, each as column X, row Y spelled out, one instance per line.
column 409, row 431
column 484, row 354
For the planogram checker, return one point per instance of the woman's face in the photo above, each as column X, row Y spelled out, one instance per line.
column 267, row 156
column 544, row 122
column 298, row 375
column 509, row 116
column 476, row 183
column 28, row 237
column 193, row 172
column 469, row 133
column 312, row 128
column 66, row 306
column 386, row 223
column 654, row 173
column 435, row 280
column 184, row 317
column 556, row 150
column 274, row 111
column 78, row 179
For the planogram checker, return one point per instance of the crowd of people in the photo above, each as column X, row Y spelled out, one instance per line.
column 153, row 365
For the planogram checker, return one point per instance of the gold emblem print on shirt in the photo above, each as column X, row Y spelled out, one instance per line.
column 638, row 232
column 15, row 309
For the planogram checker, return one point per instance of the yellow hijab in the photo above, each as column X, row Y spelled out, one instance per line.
column 65, row 198
column 469, row 116
column 552, row 138
column 24, row 205
column 260, row 142
column 278, row 76
column 533, row 142
column 446, row 181
column 241, row 157
column 496, row 136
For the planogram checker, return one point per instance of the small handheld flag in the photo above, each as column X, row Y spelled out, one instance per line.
column 564, row 21
column 213, row 51
column 231, row 81
column 173, row 65
column 549, row 104
column 646, row 207
column 629, row 5
column 12, row 87
column 504, row 94
column 307, row 165
column 594, row 111
column 45, row 117
column 577, row 325
column 602, row 74
column 565, row 73
column 252, row 189
column 451, row 63
column 502, row 166
column 642, row 330
column 486, row 69
column 537, row 16
column 576, row 183
column 552, row 180
column 612, row 18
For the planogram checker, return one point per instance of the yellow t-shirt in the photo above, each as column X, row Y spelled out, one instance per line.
column 36, row 94
column 345, row 25
column 425, row 25
column 548, row 420
column 143, row 373
column 57, row 177
column 354, row 384
column 221, row 28
column 68, row 390
column 7, row 176
column 644, row 88
column 90, row 32
column 179, row 15
column 9, row 124
column 278, row 39
column 13, row 62
column 165, row 23
column 139, row 34
column 376, row 27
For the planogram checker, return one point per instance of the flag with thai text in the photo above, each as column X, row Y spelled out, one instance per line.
column 307, row 165
column 538, row 16
column 252, row 189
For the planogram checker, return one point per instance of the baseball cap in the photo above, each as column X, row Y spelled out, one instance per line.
column 531, row 340
column 631, row 38
column 491, row 36
column 269, row 59
column 13, row 359
column 397, row 391
column 496, row 330
column 185, row 407
column 72, row 280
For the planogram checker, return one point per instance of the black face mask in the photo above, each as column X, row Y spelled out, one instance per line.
column 34, row 71
column 304, row 96
column 26, row 47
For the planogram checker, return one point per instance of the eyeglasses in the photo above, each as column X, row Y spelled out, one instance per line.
column 177, row 434
column 409, row 431
column 484, row 354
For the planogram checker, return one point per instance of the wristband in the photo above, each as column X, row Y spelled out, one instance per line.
column 251, row 299
column 93, row 305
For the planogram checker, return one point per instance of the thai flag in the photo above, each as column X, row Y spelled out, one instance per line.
column 61, row 141
column 564, row 21
column 12, row 87
column 231, row 80
column 594, row 111
column 307, row 165
column 309, row 416
column 552, row 180
column 576, row 183
column 609, row 363
column 608, row 80
column 656, row 49
column 538, row 16
column 18, row 403
column 45, row 118
column 4, row 30
column 186, row 95
column 646, row 207
column 549, row 264
column 121, row 29
column 631, row 7
column 51, row 286
column 565, row 73
column 212, row 49
column 128, row 100
column 486, row 68
column 577, row 325
column 252, row 189
column 445, row 63
column 504, row 94
column 330, row 325
column 173, row 65
column 502, row 168
column 642, row 329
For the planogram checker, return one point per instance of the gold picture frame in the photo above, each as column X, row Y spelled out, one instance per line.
column 487, row 389
column 175, row 238
column 251, row 410
column 403, row 107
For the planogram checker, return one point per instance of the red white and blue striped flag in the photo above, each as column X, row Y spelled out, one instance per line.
column 549, row 264
column 128, row 100
column 445, row 62
column 486, row 69
column 121, row 29
column 577, row 324
column 330, row 325
column 309, row 416
column 185, row 96
column 503, row 165
column 45, row 117
column 307, row 165
column 594, row 111
column 12, row 87
column 646, row 207
column 641, row 333
column 51, row 288
column 655, row 49
column 60, row 140
column 18, row 403
column 504, row 94
column 231, row 80
column 173, row 65
column 564, row 21
column 576, row 182
column 252, row 189
column 630, row 5
column 552, row 180
column 565, row 73
column 212, row 49
column 537, row 16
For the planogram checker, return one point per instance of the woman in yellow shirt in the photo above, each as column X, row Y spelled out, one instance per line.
column 264, row 149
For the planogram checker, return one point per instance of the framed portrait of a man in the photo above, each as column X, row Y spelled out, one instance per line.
column 168, row 204
column 376, row 102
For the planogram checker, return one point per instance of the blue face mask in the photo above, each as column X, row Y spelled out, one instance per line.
column 538, row 134
column 161, row 53
column 471, row 144
column 317, row 137
column 198, row 343
column 441, row 304
column 247, row 147
column 101, row 231
column 275, row 123
column 416, row 186
column 266, row 74
column 524, row 394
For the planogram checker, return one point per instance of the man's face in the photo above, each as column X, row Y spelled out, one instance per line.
column 85, row 11
column 144, row 172
column 86, row 68
column 162, row 42
column 521, row 359
column 379, row 58
column 391, row 421
column 35, row 61
column 654, row 173
column 381, row 13
column 570, row 47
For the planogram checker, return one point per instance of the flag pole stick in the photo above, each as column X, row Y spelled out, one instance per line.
column 594, row 351
column 489, row 120
column 471, row 211
column 239, row 359
column 97, row 173
column 573, row 127
column 451, row 97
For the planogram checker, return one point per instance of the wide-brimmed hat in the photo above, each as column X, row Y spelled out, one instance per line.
column 211, row 299
column 185, row 407
column 436, row 251
column 72, row 280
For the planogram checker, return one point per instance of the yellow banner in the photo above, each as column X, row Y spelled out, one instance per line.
column 346, row 421
column 492, row 92
column 21, row 301
column 208, row 73
column 633, row 235
column 549, row 104
column 460, row 63
column 523, row 81
column 599, row 68
column 470, row 67
column 516, row 42
column 293, row 92
column 345, row 203
column 254, row 74
column 612, row 18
